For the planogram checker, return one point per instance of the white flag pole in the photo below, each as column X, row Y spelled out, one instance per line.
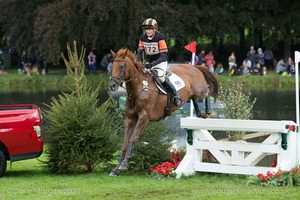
column 297, row 60
column 193, row 58
column 191, row 101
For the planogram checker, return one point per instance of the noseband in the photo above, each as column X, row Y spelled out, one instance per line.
column 119, row 80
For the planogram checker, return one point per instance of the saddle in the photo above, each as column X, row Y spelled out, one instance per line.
column 162, row 89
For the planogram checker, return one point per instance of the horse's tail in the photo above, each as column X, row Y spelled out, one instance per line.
column 211, row 80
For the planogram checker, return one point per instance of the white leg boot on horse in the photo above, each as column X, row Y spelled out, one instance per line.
column 170, row 87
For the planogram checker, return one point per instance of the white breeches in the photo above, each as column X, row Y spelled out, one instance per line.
column 161, row 69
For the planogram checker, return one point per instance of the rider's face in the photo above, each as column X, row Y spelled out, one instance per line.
column 149, row 32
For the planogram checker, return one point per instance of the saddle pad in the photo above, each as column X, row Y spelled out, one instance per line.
column 176, row 81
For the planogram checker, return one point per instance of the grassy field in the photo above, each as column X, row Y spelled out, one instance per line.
column 55, row 79
column 27, row 180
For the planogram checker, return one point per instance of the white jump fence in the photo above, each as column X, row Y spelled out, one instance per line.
column 241, row 157
column 238, row 157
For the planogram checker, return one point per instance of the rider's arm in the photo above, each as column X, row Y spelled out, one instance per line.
column 163, row 56
column 139, row 55
column 163, row 52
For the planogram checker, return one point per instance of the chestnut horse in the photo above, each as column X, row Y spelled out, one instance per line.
column 146, row 103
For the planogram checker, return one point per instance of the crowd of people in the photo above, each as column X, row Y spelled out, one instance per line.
column 255, row 63
column 258, row 63
column 105, row 63
column 209, row 61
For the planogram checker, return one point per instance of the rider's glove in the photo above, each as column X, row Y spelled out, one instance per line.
column 148, row 65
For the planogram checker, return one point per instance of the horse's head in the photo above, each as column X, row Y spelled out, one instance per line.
column 124, row 61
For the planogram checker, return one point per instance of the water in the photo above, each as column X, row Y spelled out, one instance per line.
column 274, row 105
column 270, row 104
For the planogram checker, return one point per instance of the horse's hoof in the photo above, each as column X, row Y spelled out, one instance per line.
column 114, row 172
column 213, row 114
column 204, row 116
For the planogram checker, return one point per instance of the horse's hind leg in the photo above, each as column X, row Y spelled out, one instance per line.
column 207, row 105
column 197, row 109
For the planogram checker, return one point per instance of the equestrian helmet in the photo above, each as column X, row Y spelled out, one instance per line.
column 150, row 23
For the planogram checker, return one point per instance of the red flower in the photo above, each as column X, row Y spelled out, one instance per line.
column 269, row 174
column 262, row 177
column 178, row 157
column 295, row 170
column 277, row 174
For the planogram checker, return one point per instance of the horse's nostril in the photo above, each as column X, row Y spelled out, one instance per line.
column 113, row 87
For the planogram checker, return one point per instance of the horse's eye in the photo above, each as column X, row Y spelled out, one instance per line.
column 122, row 67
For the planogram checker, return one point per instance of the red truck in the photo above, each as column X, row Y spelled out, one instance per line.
column 20, row 133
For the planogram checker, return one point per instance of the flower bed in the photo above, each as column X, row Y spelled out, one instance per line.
column 279, row 178
column 166, row 169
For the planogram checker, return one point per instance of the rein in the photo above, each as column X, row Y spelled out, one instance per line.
column 121, row 77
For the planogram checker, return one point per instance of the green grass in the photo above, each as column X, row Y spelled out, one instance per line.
column 56, row 80
column 27, row 180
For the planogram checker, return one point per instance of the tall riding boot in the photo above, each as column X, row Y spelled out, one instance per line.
column 207, row 105
column 170, row 87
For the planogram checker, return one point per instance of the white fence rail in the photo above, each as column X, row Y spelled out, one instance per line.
column 239, row 157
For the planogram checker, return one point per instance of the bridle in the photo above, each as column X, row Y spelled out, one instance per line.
column 119, row 80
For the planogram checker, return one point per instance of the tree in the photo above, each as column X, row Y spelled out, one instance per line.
column 81, row 133
column 44, row 26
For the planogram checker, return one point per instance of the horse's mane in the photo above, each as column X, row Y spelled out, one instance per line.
column 129, row 54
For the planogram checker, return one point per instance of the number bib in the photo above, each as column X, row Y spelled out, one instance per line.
column 151, row 48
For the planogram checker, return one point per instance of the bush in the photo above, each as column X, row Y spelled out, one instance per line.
column 238, row 105
column 152, row 147
column 81, row 134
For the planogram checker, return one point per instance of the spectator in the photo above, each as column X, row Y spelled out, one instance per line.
column 106, row 59
column 235, row 71
column 251, row 55
column 281, row 66
column 290, row 62
column 264, row 71
column 246, row 70
column 258, row 69
column 201, row 58
column 92, row 62
column 260, row 57
column 246, row 64
column 269, row 59
column 231, row 61
column 210, row 61
column 292, row 69
column 219, row 69
column 2, row 67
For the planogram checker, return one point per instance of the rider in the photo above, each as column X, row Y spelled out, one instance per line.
column 153, row 43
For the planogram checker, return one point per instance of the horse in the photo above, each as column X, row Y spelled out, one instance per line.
column 145, row 102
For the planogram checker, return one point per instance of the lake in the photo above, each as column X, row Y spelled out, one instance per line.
column 270, row 104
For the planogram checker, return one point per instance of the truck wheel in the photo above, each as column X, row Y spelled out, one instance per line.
column 2, row 163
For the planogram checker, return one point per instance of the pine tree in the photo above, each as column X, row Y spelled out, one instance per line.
column 81, row 133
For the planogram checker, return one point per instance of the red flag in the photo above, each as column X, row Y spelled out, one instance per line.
column 191, row 47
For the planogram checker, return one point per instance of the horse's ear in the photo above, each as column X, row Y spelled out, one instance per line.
column 113, row 54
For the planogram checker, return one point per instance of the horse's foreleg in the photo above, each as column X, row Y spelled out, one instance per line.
column 128, row 130
column 140, row 126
